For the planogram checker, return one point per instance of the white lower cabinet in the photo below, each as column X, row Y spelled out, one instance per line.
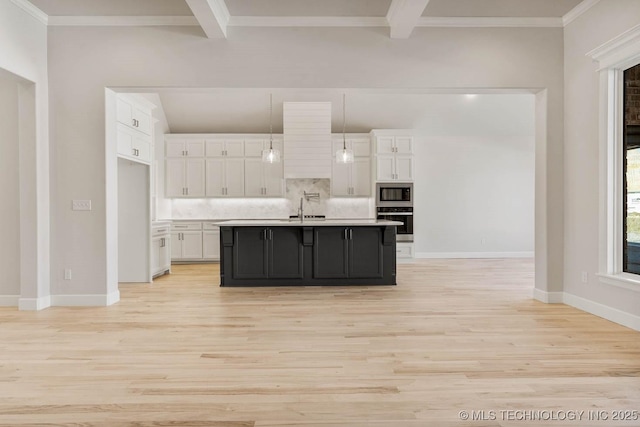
column 195, row 241
column 210, row 242
column 160, row 250
column 186, row 241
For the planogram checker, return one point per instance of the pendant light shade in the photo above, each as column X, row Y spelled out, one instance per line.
column 271, row 155
column 344, row 155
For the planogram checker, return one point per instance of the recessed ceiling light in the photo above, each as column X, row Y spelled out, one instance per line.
column 470, row 95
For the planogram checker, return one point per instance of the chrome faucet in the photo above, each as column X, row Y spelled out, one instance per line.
column 301, row 209
column 308, row 196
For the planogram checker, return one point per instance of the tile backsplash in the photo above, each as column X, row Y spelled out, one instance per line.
column 272, row 208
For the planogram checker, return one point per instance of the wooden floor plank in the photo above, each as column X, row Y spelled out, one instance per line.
column 454, row 335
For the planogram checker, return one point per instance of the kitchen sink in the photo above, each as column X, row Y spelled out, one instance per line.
column 307, row 218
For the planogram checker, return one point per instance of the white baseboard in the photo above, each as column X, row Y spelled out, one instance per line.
column 600, row 310
column 548, row 297
column 438, row 255
column 9, row 300
column 100, row 300
column 32, row 304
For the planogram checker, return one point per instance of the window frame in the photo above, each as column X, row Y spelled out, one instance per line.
column 614, row 57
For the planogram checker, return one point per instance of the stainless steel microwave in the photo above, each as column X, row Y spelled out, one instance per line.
column 394, row 194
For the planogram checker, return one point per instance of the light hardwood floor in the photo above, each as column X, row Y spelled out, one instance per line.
column 454, row 335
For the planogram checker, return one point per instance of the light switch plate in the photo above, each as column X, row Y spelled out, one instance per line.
column 81, row 205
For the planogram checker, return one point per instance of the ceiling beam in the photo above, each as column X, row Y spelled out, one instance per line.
column 403, row 15
column 212, row 15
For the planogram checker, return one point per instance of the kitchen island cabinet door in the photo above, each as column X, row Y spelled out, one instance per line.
column 250, row 257
column 286, row 256
column 365, row 252
column 330, row 252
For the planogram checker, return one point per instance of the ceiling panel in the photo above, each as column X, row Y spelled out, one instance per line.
column 113, row 7
column 500, row 8
column 308, row 7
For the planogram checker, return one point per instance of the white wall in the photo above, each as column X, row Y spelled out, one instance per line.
column 82, row 61
column 604, row 21
column 474, row 196
column 23, row 52
column 9, row 192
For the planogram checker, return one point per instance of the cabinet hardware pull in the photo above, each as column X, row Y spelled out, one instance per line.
column 187, row 191
column 187, row 153
column 133, row 122
column 344, row 234
column 351, row 234
column 270, row 234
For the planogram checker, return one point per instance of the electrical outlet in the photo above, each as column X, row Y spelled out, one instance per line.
column 585, row 277
column 81, row 205
column 67, row 274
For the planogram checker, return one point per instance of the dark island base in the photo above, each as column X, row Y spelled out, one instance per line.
column 301, row 255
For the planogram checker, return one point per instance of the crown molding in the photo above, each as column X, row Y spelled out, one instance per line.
column 480, row 22
column 620, row 51
column 581, row 8
column 122, row 21
column 32, row 10
column 307, row 21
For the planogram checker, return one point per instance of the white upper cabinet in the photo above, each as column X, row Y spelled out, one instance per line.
column 131, row 113
column 134, row 129
column 133, row 145
column 263, row 179
column 185, row 178
column 225, row 177
column 394, row 145
column 224, row 148
column 184, row 147
column 394, row 158
column 352, row 179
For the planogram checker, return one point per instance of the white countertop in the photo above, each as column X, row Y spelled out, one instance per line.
column 307, row 222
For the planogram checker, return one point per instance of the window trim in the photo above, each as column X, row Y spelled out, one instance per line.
column 613, row 57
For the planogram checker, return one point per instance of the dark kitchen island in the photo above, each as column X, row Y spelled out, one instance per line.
column 294, row 253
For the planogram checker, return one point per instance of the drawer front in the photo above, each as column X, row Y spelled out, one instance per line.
column 183, row 226
column 211, row 226
column 160, row 231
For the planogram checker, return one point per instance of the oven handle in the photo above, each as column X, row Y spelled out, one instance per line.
column 394, row 213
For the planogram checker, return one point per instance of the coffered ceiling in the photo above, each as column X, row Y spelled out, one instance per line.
column 401, row 16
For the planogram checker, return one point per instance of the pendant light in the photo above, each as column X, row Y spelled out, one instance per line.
column 344, row 155
column 271, row 155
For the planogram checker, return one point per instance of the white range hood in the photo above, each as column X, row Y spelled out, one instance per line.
column 307, row 139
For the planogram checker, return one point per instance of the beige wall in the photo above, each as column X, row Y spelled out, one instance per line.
column 23, row 53
column 604, row 21
column 10, row 206
column 83, row 61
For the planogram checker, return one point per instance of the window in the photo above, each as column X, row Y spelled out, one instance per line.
column 619, row 61
column 631, row 176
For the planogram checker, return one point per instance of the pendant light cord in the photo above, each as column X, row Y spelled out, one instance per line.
column 271, row 121
column 344, row 120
